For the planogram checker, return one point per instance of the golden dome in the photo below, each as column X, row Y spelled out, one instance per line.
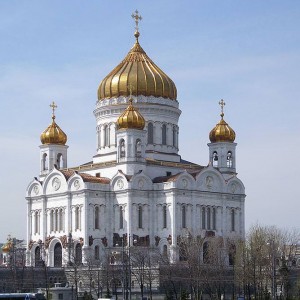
column 140, row 72
column 6, row 248
column 222, row 132
column 131, row 118
column 53, row 133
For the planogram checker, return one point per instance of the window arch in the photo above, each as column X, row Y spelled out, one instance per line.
column 150, row 133
column 229, row 159
column 215, row 159
column 59, row 163
column 164, row 217
column 232, row 220
column 122, row 148
column 164, row 134
column 183, row 216
column 138, row 148
column 45, row 162
column 140, row 217
column 97, row 217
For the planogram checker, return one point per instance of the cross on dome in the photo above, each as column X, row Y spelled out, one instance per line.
column 53, row 107
column 222, row 104
column 130, row 88
column 136, row 18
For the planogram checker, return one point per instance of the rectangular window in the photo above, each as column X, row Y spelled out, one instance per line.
column 203, row 218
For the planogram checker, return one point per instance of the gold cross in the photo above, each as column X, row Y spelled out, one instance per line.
column 137, row 18
column 222, row 104
column 130, row 87
column 53, row 106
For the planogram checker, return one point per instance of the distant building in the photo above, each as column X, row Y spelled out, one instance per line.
column 137, row 190
column 13, row 252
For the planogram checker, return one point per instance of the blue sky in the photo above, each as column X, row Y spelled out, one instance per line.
column 246, row 52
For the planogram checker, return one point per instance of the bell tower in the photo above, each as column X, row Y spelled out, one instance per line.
column 53, row 150
column 222, row 148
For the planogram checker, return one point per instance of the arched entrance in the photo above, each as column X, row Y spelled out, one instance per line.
column 37, row 256
column 57, row 255
column 78, row 254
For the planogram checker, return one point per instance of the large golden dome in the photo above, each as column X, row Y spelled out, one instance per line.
column 53, row 134
column 222, row 132
column 131, row 118
column 6, row 247
column 140, row 72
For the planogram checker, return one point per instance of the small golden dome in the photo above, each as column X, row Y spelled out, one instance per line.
column 6, row 248
column 140, row 72
column 222, row 132
column 131, row 118
column 53, row 134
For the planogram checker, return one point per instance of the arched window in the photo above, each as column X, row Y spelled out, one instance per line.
column 122, row 148
column 229, row 159
column 45, row 162
column 164, row 134
column 59, row 161
column 36, row 222
column 106, row 136
column 232, row 220
column 97, row 217
column 77, row 218
column 97, row 256
column 140, row 219
column 150, row 133
column 215, row 159
column 138, row 148
column 183, row 217
column 78, row 254
column 164, row 217
column 56, row 220
column 208, row 219
column 174, row 136
column 52, row 220
column 214, row 218
column 121, row 218
column 61, row 220
column 203, row 218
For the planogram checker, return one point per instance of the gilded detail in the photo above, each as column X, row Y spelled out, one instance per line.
column 53, row 134
column 138, row 70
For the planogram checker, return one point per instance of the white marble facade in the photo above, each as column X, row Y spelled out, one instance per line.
column 150, row 195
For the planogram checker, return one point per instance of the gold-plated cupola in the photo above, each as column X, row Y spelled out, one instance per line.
column 53, row 134
column 137, row 70
column 222, row 132
column 131, row 118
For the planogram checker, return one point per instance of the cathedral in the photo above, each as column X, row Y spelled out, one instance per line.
column 137, row 190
